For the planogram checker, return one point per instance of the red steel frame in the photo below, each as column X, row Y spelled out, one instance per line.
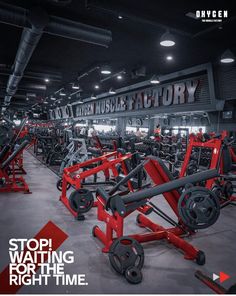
column 13, row 183
column 105, row 163
column 215, row 144
column 114, row 223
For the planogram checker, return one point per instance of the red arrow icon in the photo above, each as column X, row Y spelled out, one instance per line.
column 223, row 277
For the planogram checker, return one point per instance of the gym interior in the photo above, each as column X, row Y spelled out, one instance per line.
column 118, row 144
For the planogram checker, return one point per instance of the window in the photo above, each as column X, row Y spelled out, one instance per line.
column 192, row 129
column 105, row 128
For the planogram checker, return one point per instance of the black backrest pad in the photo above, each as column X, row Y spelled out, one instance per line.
column 227, row 160
column 4, row 151
column 14, row 154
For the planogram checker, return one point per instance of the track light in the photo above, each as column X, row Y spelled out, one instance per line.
column 155, row 80
column 75, row 86
column 62, row 92
column 167, row 39
column 112, row 91
column 169, row 58
column 227, row 57
column 106, row 70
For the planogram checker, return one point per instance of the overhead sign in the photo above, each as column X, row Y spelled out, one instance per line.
column 187, row 90
column 172, row 94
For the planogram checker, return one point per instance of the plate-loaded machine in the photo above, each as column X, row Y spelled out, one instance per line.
column 81, row 199
column 195, row 207
column 8, row 179
column 216, row 153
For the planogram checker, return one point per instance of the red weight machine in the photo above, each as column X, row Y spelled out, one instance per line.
column 113, row 208
column 222, row 158
column 103, row 148
column 76, row 175
column 8, row 172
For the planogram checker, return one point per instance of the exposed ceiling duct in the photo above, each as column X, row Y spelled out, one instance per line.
column 29, row 40
column 35, row 22
column 17, row 16
column 5, row 70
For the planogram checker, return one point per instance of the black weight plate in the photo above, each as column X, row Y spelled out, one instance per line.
column 133, row 275
column 198, row 207
column 228, row 189
column 126, row 252
column 59, row 185
column 81, row 200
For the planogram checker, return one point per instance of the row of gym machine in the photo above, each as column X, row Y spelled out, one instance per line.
column 127, row 178
column 120, row 179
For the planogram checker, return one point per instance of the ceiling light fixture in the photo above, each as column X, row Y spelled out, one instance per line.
column 227, row 57
column 46, row 80
column 27, row 99
column 62, row 93
column 119, row 77
column 106, row 70
column 112, row 91
column 75, row 85
column 169, row 58
column 167, row 39
column 96, row 86
column 155, row 80
column 53, row 98
column 120, row 17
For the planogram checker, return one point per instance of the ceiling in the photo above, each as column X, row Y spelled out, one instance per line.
column 135, row 43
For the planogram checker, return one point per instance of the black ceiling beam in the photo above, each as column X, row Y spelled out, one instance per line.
column 136, row 18
column 214, row 27
column 5, row 70
column 17, row 16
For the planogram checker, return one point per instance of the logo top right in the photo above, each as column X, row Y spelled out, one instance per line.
column 211, row 16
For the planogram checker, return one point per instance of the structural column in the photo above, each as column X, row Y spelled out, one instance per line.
column 151, row 126
column 121, row 126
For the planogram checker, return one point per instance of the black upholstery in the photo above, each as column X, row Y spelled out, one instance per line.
column 227, row 160
column 4, row 152
column 14, row 154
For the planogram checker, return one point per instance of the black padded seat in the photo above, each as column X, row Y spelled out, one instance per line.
column 4, row 152
column 14, row 154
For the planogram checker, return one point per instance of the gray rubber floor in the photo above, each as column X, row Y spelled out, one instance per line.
column 165, row 270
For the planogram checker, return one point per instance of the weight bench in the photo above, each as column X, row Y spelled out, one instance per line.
column 113, row 208
column 12, row 183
